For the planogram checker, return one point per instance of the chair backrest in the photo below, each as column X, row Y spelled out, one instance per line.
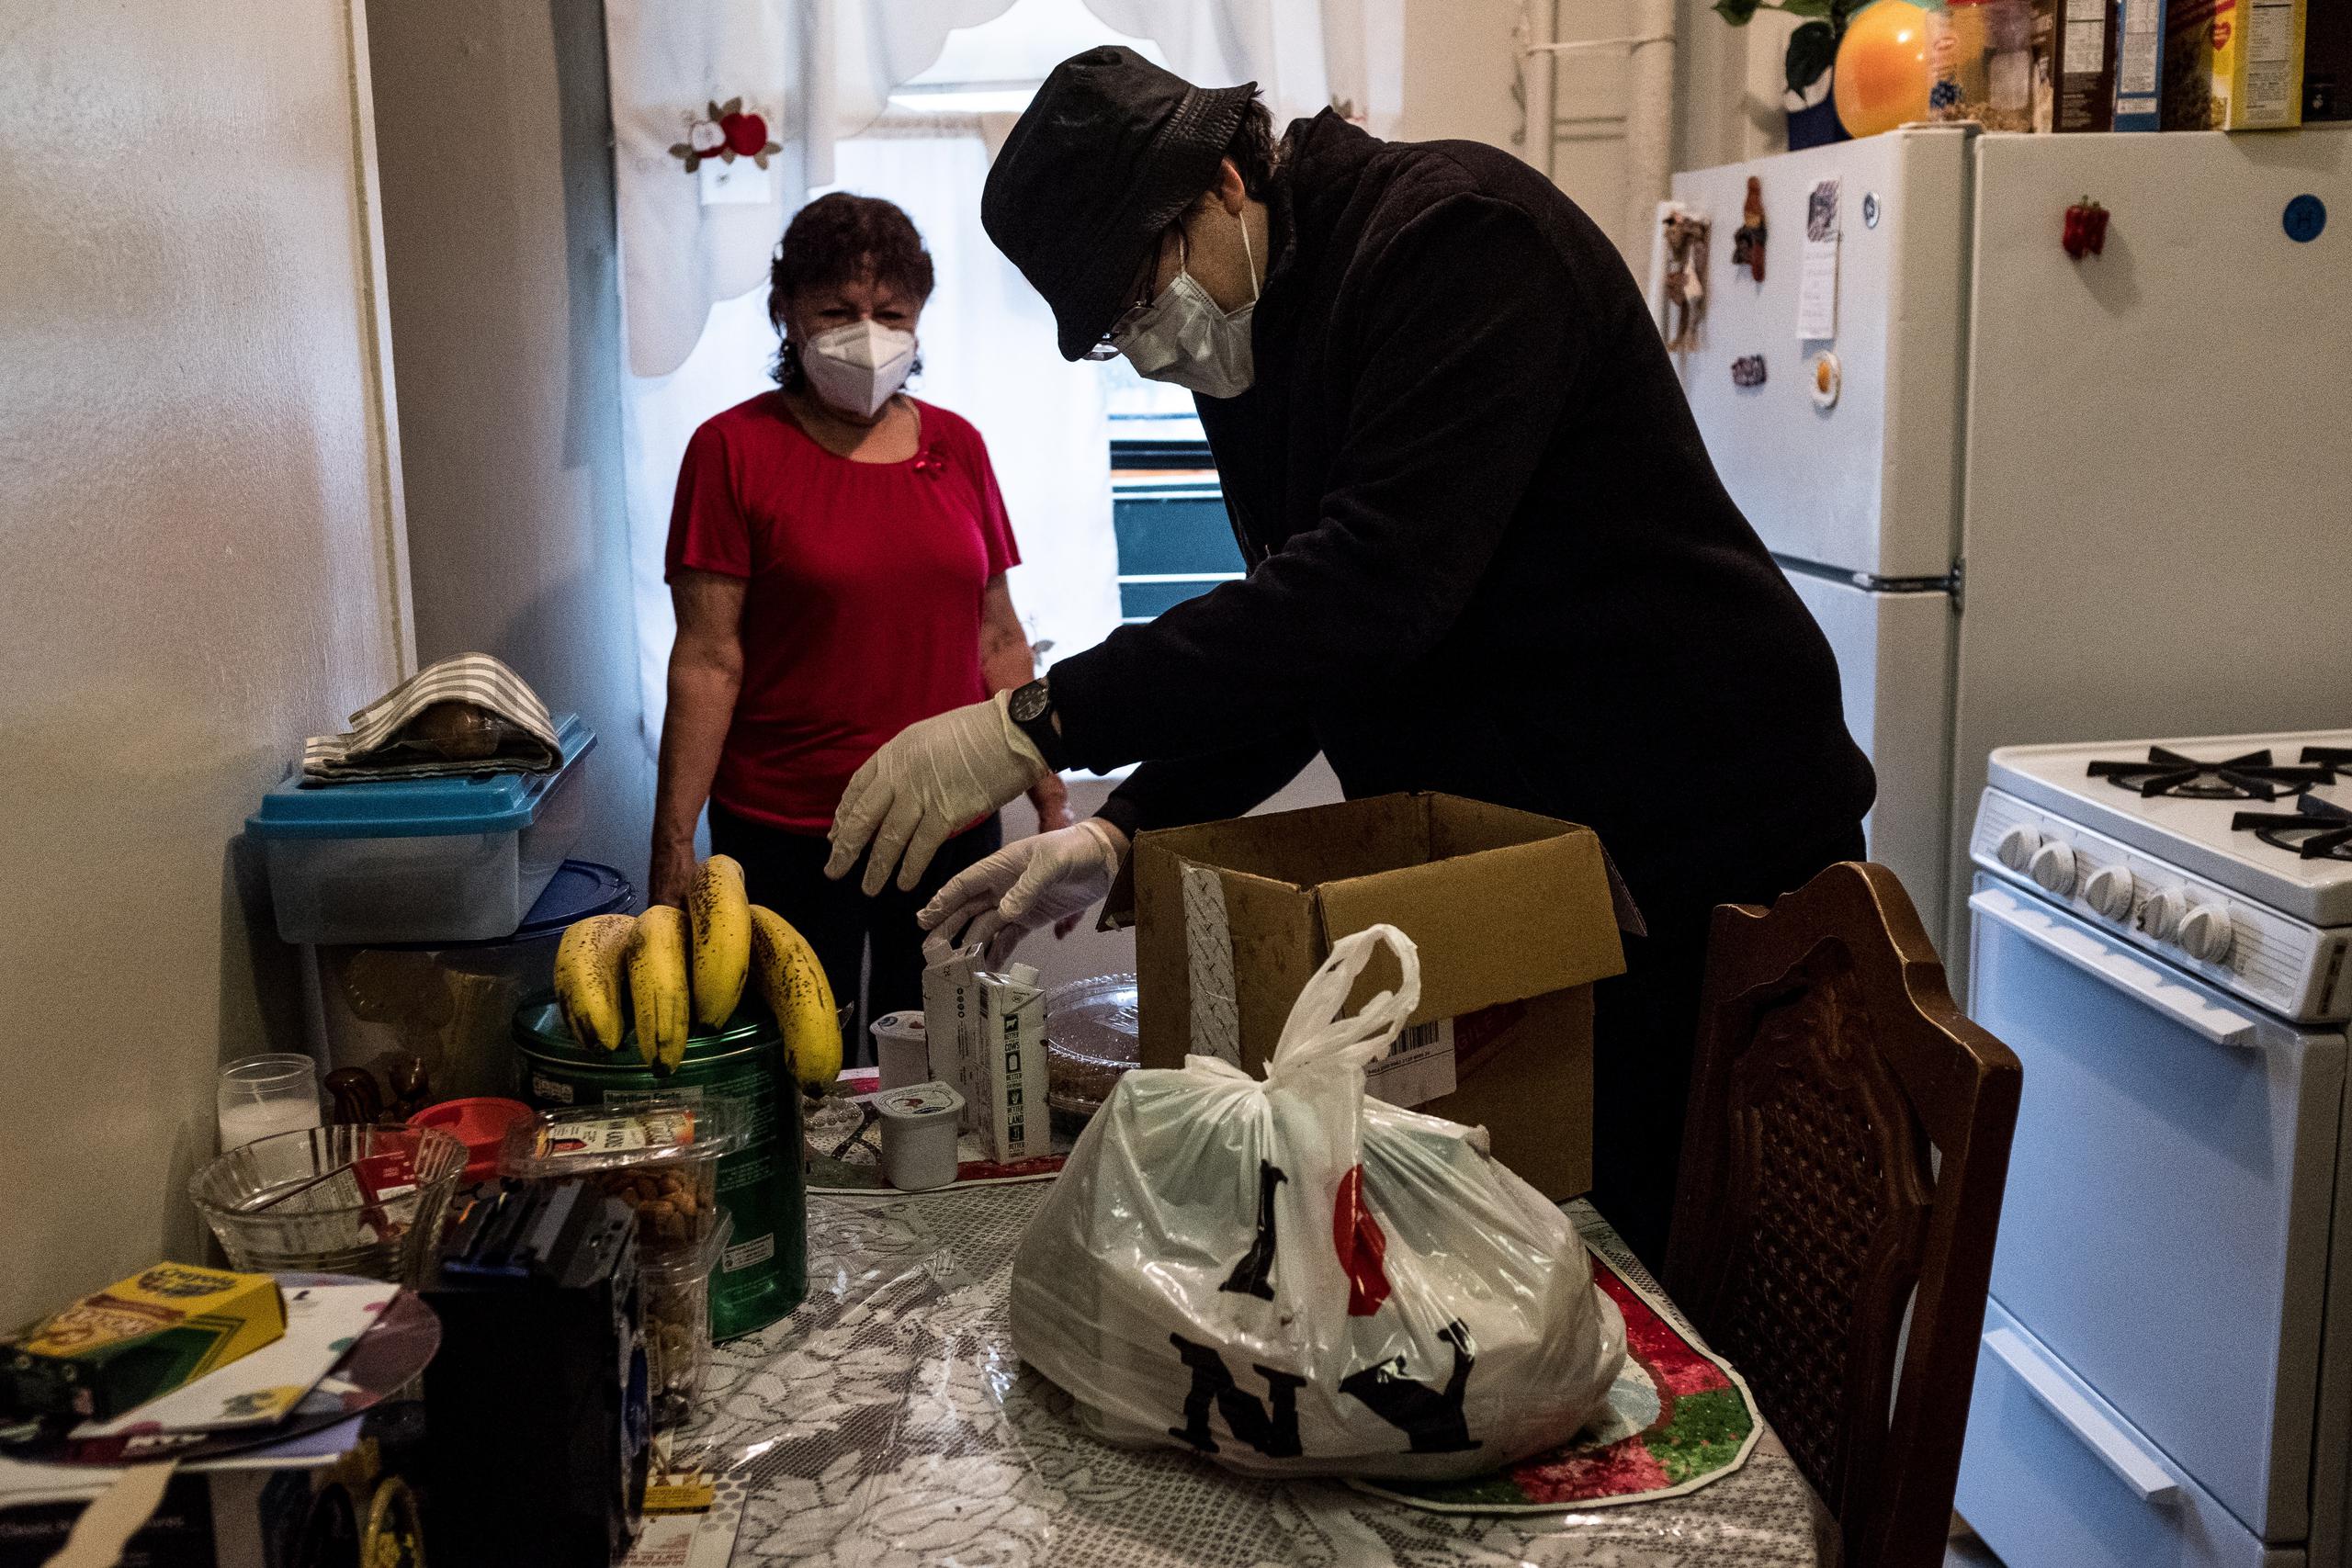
column 1846, row 1141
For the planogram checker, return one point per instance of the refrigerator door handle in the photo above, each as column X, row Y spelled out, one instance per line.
column 2191, row 1012
column 2133, row 1464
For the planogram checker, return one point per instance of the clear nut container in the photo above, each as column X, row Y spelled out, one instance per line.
column 658, row 1153
column 677, row 1324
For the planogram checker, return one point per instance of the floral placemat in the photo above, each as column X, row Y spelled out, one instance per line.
column 1679, row 1418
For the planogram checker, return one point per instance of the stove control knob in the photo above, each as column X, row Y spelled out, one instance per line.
column 2017, row 846
column 2206, row 934
column 2108, row 892
column 2053, row 866
column 2160, row 915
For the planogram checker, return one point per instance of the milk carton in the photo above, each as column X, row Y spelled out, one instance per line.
column 988, row 1032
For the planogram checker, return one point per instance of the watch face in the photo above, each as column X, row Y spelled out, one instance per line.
column 1029, row 703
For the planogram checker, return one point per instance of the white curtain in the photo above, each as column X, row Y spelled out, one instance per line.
column 694, row 276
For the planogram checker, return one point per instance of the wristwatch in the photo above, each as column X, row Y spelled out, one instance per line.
column 1031, row 708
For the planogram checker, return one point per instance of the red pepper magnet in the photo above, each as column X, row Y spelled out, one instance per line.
column 2085, row 230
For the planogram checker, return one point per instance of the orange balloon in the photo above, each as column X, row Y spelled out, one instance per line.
column 1882, row 78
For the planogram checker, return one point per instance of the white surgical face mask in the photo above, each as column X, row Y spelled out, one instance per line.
column 1183, row 338
column 859, row 366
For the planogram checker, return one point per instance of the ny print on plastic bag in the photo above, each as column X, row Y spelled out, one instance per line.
column 1294, row 1278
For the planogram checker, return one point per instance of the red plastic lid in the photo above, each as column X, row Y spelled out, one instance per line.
column 480, row 1123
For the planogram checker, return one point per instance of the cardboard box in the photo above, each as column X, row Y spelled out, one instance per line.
column 141, row 1337
column 989, row 1030
column 1513, row 914
column 2139, row 64
column 2073, row 65
column 2233, row 64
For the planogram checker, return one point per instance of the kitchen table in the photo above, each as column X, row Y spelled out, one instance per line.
column 889, row 1422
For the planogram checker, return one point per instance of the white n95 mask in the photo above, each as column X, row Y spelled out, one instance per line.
column 858, row 365
column 1182, row 338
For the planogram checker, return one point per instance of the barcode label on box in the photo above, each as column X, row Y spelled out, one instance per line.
column 1417, row 1068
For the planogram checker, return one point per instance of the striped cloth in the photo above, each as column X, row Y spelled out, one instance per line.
column 374, row 748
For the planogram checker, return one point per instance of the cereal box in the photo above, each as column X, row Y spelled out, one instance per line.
column 2233, row 64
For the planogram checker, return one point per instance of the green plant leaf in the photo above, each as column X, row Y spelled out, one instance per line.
column 1737, row 12
column 1807, row 7
column 1812, row 49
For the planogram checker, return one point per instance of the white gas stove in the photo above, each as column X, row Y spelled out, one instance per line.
column 2230, row 857
column 2158, row 929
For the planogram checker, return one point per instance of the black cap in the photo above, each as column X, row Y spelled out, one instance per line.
column 1109, row 152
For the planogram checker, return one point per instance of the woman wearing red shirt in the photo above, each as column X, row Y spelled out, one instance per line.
column 837, row 557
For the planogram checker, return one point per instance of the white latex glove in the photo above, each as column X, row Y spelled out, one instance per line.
column 929, row 781
column 1029, row 882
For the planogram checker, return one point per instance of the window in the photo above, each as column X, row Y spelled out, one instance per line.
column 1175, row 539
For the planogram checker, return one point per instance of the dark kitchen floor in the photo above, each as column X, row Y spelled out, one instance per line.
column 1966, row 1551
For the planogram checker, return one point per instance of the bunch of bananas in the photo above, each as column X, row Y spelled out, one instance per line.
column 668, row 970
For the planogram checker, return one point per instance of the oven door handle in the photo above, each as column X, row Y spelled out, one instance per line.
column 2133, row 1464
column 2185, row 1007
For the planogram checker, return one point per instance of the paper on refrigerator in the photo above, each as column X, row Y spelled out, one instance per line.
column 1818, row 268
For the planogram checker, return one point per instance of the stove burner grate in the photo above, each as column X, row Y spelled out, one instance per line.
column 2317, row 830
column 2250, row 777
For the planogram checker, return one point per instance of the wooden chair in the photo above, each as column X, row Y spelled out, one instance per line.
column 1847, row 1137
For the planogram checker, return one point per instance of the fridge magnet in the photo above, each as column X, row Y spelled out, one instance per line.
column 1748, row 240
column 1686, row 274
column 1817, row 275
column 2304, row 217
column 1747, row 371
column 727, row 132
column 2085, row 230
column 1826, row 380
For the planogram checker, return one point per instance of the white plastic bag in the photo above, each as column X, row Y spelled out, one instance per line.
column 1296, row 1279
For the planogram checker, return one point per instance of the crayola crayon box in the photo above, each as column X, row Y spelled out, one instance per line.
column 138, row 1339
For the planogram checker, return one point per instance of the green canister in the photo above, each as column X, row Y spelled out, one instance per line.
column 763, row 1272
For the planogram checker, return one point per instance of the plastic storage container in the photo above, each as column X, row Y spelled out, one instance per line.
column 1092, row 1041
column 764, row 1272
column 657, row 1152
column 420, row 860
column 678, row 1326
column 452, row 1008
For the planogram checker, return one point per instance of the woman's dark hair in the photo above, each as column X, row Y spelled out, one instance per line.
column 840, row 238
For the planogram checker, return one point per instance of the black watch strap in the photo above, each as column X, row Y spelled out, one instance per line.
column 1031, row 708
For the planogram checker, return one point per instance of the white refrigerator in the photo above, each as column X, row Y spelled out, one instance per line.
column 2052, row 498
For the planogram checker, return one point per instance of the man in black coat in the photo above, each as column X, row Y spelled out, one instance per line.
column 1487, row 552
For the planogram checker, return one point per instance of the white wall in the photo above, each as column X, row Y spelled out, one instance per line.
column 199, row 564
column 1452, row 64
column 493, row 130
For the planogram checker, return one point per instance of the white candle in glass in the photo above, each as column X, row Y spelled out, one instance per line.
column 264, row 1095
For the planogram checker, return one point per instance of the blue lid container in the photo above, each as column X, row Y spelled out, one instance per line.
column 415, row 808
column 432, row 862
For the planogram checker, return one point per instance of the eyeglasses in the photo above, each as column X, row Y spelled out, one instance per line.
column 1141, row 295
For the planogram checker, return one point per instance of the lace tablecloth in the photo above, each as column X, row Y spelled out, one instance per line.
column 887, row 1423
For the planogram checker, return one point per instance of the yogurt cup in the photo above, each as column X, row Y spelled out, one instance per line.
column 902, row 1049
column 918, row 1127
